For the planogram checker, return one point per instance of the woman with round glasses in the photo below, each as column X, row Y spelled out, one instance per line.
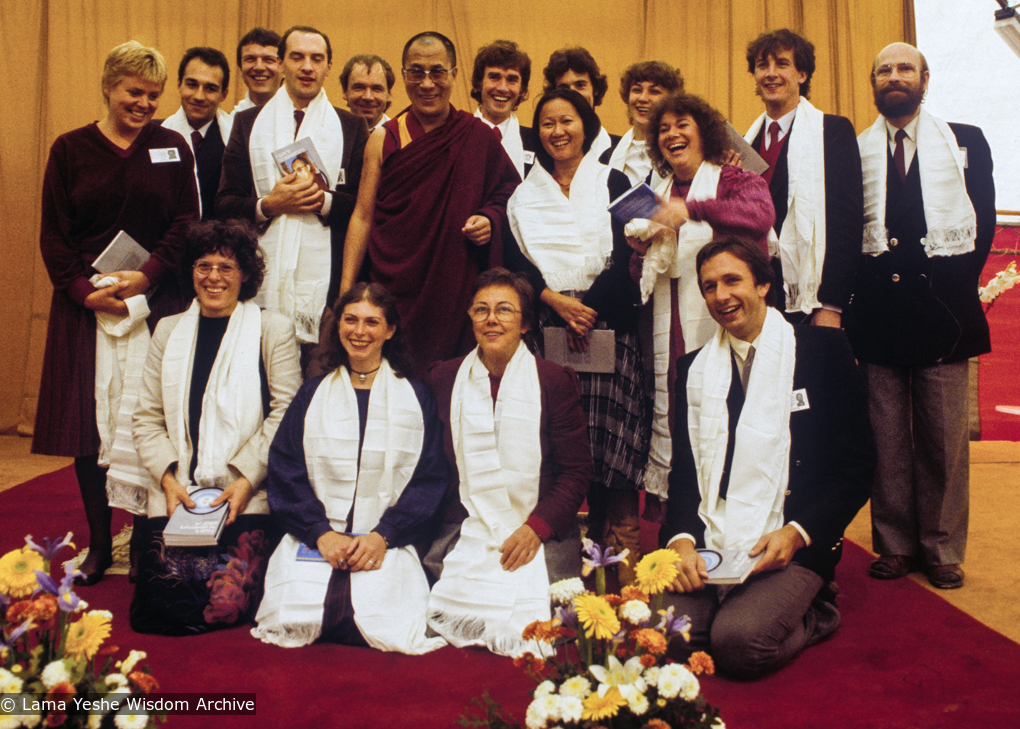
column 355, row 472
column 120, row 174
column 515, row 430
column 577, row 258
column 217, row 381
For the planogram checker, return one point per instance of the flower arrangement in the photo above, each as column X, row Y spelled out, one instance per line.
column 52, row 652
column 1000, row 283
column 605, row 665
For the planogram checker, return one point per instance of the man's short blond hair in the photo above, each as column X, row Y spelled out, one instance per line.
column 133, row 59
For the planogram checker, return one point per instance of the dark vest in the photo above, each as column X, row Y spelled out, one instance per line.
column 209, row 160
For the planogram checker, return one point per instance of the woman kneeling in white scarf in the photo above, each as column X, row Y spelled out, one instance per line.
column 355, row 472
column 518, row 436
column 217, row 381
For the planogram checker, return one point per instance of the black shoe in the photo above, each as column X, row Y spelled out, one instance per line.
column 92, row 570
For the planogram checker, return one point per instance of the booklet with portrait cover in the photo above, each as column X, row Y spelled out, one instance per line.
column 727, row 566
column 638, row 202
column 310, row 554
column 123, row 254
column 303, row 158
column 600, row 357
column 200, row 526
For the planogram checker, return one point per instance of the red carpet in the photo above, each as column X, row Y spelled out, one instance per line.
column 997, row 379
column 904, row 658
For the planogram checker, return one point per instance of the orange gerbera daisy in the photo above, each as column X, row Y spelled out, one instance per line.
column 633, row 592
column 651, row 640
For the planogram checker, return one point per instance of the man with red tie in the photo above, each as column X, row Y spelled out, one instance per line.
column 814, row 178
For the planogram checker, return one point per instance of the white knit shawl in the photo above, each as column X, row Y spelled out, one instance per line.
column 389, row 603
column 570, row 239
column 948, row 212
column 499, row 459
column 671, row 257
column 761, row 457
column 297, row 247
column 802, row 241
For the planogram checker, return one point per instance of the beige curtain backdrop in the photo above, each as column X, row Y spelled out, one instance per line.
column 54, row 51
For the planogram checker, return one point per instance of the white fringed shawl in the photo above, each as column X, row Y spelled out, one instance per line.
column 122, row 343
column 761, row 457
column 948, row 212
column 671, row 256
column 389, row 603
column 499, row 458
column 802, row 241
column 297, row 247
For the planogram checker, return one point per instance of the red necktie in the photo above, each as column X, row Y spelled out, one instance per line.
column 773, row 134
column 897, row 156
column 299, row 116
column 196, row 140
column 771, row 155
column 499, row 134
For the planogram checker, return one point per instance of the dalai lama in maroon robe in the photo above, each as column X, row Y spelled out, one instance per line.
column 431, row 206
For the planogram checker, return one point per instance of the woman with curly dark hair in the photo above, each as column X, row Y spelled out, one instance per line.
column 355, row 472
column 217, row 381
column 701, row 198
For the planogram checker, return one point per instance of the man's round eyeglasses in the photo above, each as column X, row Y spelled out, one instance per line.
column 417, row 75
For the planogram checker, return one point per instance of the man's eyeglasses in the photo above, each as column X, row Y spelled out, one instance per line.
column 907, row 70
column 226, row 270
column 417, row 75
column 481, row 312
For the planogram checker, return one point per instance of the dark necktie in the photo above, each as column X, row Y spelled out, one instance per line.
column 897, row 156
column 196, row 141
column 499, row 134
column 773, row 134
column 745, row 374
column 299, row 116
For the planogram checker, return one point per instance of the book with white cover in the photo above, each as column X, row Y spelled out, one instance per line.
column 123, row 254
column 727, row 566
column 600, row 357
column 200, row 526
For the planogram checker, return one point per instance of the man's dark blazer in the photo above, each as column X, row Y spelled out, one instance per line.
column 832, row 451
column 844, row 205
column 912, row 310
column 208, row 160
column 237, row 198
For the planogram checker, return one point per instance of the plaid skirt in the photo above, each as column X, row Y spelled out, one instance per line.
column 619, row 420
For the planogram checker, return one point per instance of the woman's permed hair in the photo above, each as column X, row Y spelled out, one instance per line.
column 235, row 238
column 715, row 141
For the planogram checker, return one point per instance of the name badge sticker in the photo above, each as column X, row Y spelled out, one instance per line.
column 168, row 154
column 800, row 400
column 529, row 158
column 341, row 178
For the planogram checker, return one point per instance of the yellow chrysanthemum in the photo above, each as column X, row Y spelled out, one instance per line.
column 597, row 616
column 603, row 707
column 656, row 571
column 16, row 576
column 85, row 635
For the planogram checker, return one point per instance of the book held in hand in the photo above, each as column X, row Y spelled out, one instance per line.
column 200, row 526
column 638, row 202
column 123, row 254
column 301, row 157
column 727, row 566
column 749, row 157
column 600, row 357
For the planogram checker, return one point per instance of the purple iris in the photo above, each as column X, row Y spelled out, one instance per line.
column 66, row 599
column 673, row 625
column 568, row 617
column 49, row 548
column 597, row 558
column 15, row 634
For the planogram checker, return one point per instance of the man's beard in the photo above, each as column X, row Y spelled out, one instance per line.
column 902, row 106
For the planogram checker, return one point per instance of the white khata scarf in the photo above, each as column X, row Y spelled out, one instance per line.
column 231, row 407
column 671, row 257
column 948, row 212
column 499, row 458
column 761, row 457
column 178, row 121
column 631, row 158
column 570, row 239
column 389, row 603
column 122, row 343
column 297, row 247
column 602, row 142
column 802, row 241
column 511, row 139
